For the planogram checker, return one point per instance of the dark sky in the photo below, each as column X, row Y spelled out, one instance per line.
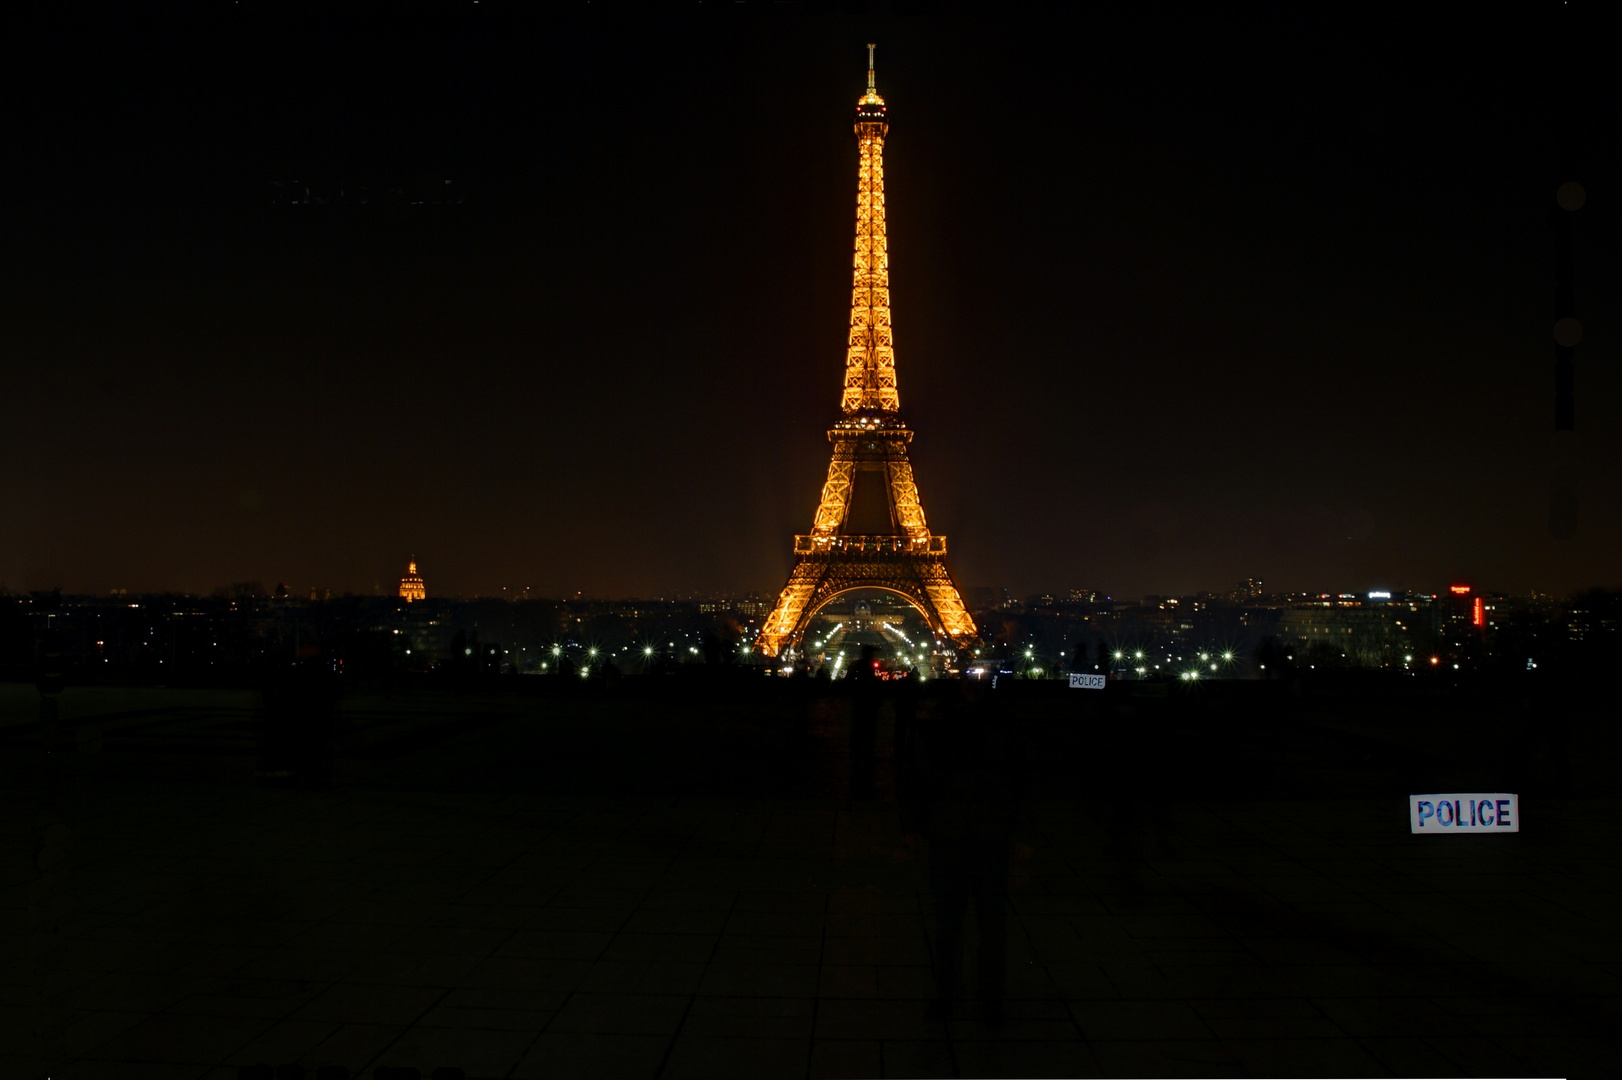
column 1180, row 296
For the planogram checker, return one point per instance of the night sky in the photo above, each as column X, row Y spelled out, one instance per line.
column 1180, row 297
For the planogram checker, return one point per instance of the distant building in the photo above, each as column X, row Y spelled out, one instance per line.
column 1247, row 590
column 411, row 585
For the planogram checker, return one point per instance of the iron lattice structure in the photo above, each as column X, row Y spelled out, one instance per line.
column 869, row 438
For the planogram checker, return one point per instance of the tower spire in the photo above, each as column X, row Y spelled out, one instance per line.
column 869, row 360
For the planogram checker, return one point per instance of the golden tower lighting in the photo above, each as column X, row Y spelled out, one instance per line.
column 411, row 587
column 869, row 438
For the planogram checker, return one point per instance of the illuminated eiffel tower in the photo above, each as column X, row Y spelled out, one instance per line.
column 869, row 438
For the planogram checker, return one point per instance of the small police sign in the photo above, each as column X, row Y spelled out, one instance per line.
column 1086, row 682
column 1491, row 812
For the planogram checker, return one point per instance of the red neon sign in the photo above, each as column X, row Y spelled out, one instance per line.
column 1459, row 590
column 1477, row 616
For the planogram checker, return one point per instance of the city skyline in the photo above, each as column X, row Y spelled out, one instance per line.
column 1180, row 302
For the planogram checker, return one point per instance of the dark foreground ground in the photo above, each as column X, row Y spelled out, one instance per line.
column 676, row 881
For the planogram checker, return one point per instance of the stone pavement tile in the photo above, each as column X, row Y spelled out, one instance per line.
column 468, row 997
column 456, row 940
column 88, row 1029
column 380, row 911
column 760, row 948
column 916, row 982
column 181, row 1039
column 1489, row 1005
column 841, row 1059
column 504, row 894
column 1304, row 1057
column 928, row 1058
column 556, row 944
column 234, row 1001
column 759, row 980
column 1273, row 1027
column 580, row 920
column 1014, row 1058
column 121, row 991
column 132, row 1070
column 1117, row 902
column 482, row 1052
column 673, row 948
column 621, row 1014
column 1099, row 936
column 875, row 1019
column 1025, row 1021
column 873, row 924
column 1564, row 1056
column 1207, row 980
column 352, row 937
column 1476, row 1057
column 581, row 1055
column 1194, row 926
column 1189, row 1058
column 658, row 920
column 1233, row 908
column 1028, row 980
column 371, row 1003
column 1535, row 1025
column 1212, row 952
column 1139, row 978
column 1395, row 1017
column 848, row 981
column 899, row 952
column 354, row 1046
column 753, row 1018
column 804, row 923
column 319, row 965
column 116, row 948
column 1029, row 904
column 526, row 973
column 869, row 898
column 1411, row 1057
column 1219, row 1008
column 642, row 977
column 436, row 969
column 1286, row 951
column 508, row 916
column 1160, row 1020
column 466, row 1019
column 284, row 1040
column 1346, row 980
column 703, row 1057
column 1081, row 981
column 1554, row 975
column 217, row 961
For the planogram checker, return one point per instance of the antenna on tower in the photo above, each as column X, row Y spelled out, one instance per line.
column 870, row 48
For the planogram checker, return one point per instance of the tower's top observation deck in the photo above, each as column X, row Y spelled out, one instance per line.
column 870, row 111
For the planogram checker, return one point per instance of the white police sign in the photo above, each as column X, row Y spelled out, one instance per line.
column 1481, row 812
column 1086, row 682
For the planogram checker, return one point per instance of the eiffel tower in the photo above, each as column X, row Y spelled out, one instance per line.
column 869, row 438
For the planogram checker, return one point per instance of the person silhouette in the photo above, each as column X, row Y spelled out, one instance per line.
column 966, row 789
column 864, row 721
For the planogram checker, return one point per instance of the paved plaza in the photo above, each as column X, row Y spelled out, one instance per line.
column 624, row 884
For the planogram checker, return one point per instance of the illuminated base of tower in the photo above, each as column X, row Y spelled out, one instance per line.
column 827, row 566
